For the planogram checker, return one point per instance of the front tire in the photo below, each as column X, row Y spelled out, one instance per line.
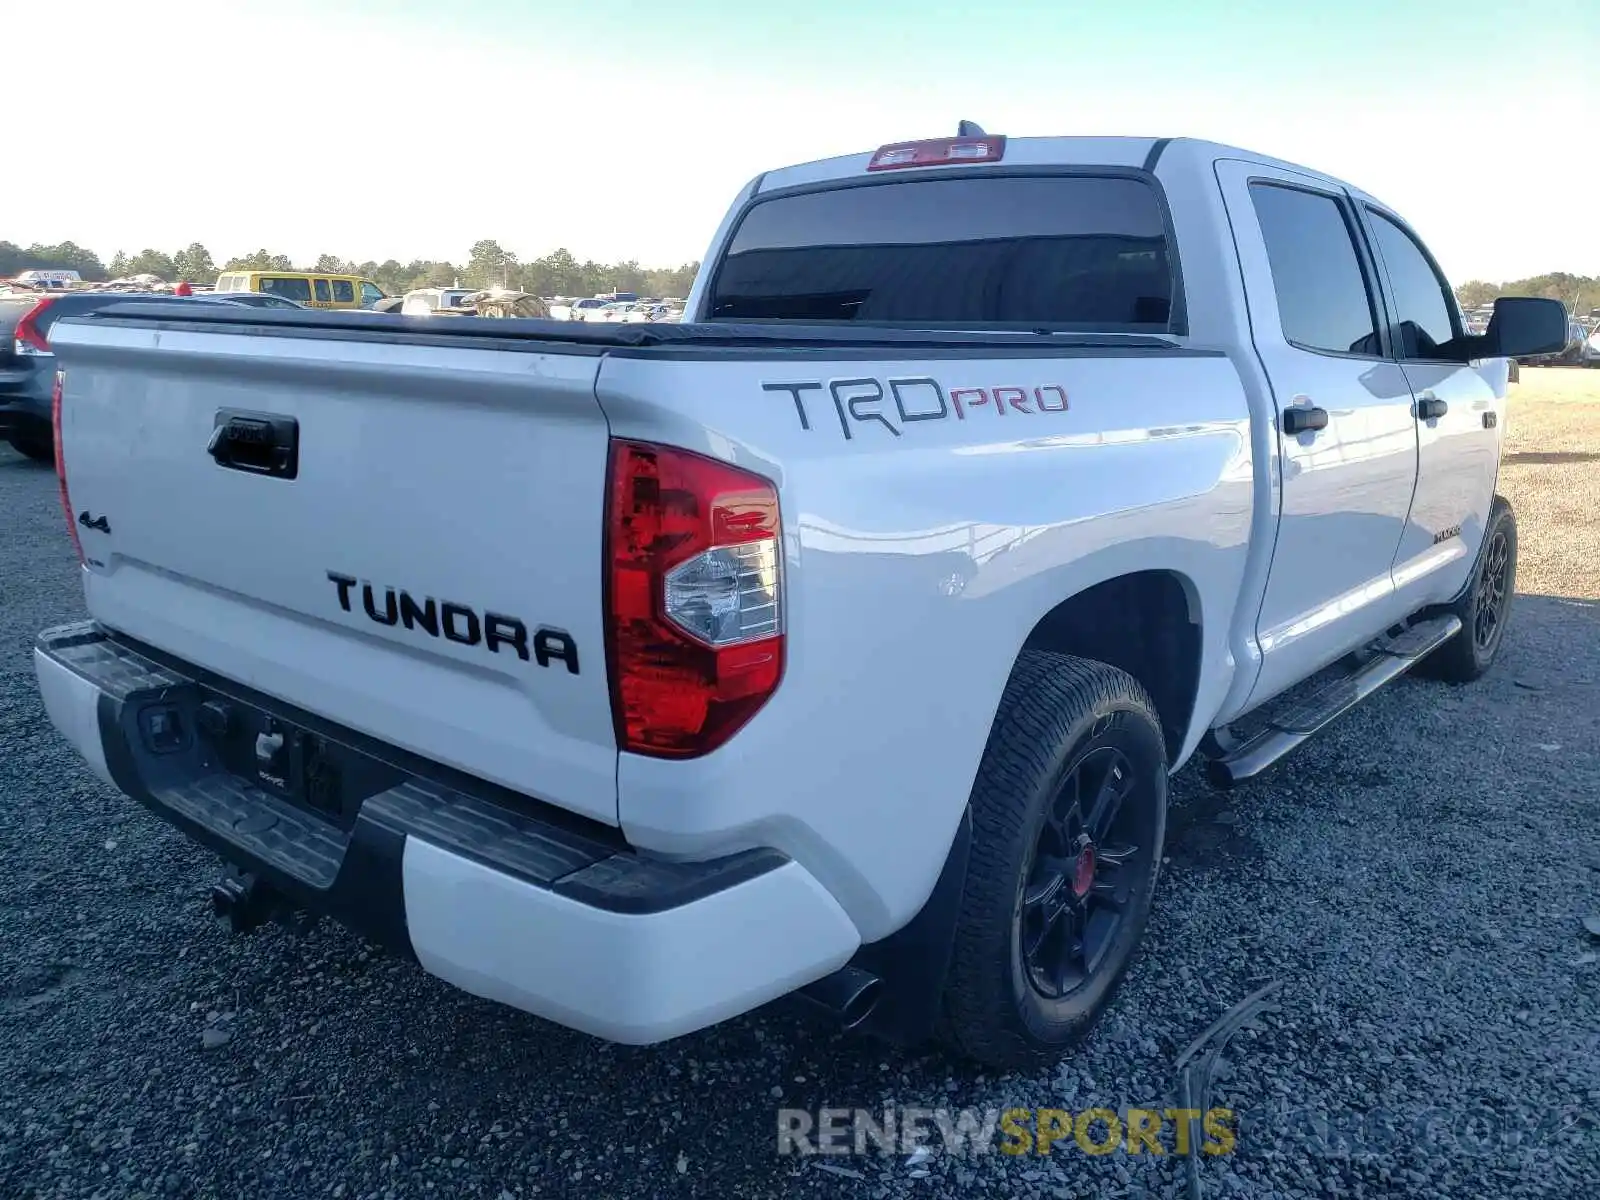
column 1485, row 609
column 1069, row 814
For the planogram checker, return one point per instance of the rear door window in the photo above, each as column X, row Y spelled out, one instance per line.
column 323, row 293
column 1324, row 303
column 1081, row 252
column 292, row 289
column 344, row 292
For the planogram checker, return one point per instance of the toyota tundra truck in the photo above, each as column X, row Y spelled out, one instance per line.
column 837, row 641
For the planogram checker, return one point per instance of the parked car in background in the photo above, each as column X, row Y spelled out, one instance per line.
column 637, row 313
column 49, row 280
column 630, row 311
column 250, row 299
column 28, row 364
column 1573, row 354
column 424, row 302
column 314, row 289
column 579, row 310
column 24, row 415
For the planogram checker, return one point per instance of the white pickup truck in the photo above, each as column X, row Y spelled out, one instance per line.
column 839, row 640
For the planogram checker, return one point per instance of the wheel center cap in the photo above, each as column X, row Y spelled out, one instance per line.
column 1083, row 870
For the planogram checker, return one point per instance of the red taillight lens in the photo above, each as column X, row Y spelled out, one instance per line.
column 694, row 605
column 61, row 462
column 30, row 340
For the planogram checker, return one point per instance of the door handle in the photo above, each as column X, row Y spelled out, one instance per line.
column 1430, row 407
column 1304, row 420
column 260, row 443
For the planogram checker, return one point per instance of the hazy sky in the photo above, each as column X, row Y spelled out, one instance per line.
column 621, row 129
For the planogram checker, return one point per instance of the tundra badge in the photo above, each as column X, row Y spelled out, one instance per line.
column 459, row 623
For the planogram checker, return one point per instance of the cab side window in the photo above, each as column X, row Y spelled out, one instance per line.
column 344, row 291
column 1324, row 303
column 1422, row 299
column 369, row 295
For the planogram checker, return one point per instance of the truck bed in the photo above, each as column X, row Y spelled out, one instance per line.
column 600, row 337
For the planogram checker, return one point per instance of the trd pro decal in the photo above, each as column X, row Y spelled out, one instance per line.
column 892, row 404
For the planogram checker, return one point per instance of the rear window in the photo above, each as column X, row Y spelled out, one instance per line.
column 293, row 289
column 1062, row 252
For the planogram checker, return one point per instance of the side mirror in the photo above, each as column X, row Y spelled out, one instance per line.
column 1525, row 325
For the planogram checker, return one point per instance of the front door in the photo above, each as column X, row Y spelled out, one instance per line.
column 1347, row 439
column 1459, row 411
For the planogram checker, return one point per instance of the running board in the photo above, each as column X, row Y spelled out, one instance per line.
column 1294, row 724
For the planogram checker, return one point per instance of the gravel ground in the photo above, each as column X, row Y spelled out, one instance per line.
column 1414, row 881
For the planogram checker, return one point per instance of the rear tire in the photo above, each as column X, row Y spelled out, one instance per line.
column 1485, row 609
column 41, row 450
column 1073, row 740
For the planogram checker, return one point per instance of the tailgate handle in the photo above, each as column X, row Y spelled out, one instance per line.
column 261, row 443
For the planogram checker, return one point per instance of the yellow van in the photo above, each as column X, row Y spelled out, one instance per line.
column 314, row 289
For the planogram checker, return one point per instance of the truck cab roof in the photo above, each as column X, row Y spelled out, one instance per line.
column 1134, row 153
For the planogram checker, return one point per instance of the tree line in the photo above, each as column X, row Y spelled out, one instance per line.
column 488, row 264
column 1579, row 293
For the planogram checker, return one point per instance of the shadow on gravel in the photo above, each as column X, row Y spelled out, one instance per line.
column 17, row 462
column 1205, row 831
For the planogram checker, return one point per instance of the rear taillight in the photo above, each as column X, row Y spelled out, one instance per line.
column 694, row 604
column 61, row 462
column 30, row 340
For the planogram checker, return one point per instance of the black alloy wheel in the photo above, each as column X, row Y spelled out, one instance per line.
column 1493, row 586
column 1091, row 854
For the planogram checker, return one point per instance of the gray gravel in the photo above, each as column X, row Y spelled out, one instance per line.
column 1416, row 880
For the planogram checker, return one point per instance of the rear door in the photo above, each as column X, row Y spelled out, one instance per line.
column 1459, row 411
column 1347, row 440
column 421, row 563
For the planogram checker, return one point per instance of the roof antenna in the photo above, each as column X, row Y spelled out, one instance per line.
column 970, row 129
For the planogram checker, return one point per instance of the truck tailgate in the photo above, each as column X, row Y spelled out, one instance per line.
column 424, row 566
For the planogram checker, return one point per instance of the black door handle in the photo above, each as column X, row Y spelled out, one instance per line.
column 1304, row 420
column 260, row 443
column 1431, row 407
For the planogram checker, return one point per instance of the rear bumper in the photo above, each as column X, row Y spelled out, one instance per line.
column 495, row 893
